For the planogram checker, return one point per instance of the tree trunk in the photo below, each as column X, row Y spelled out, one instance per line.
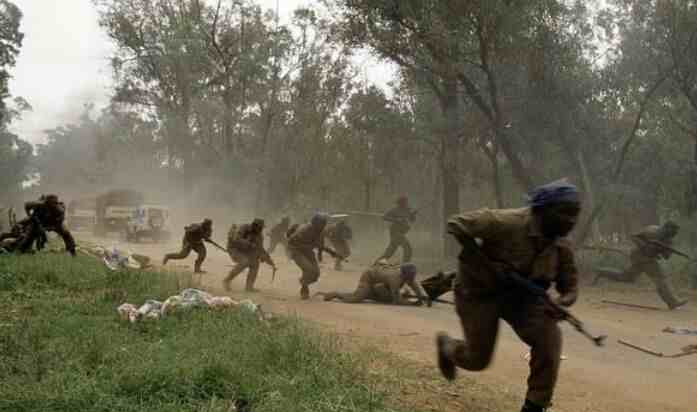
column 449, row 166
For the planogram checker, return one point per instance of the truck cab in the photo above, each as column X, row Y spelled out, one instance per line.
column 148, row 221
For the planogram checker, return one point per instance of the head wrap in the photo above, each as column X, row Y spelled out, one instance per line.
column 556, row 192
column 408, row 269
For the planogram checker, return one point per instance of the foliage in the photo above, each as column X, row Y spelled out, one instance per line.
column 64, row 349
column 10, row 43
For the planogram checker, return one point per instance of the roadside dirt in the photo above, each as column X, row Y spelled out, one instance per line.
column 614, row 378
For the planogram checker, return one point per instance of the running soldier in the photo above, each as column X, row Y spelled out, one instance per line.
column 339, row 234
column 651, row 244
column 194, row 236
column 246, row 247
column 45, row 215
column 383, row 283
column 303, row 240
column 528, row 241
column 277, row 235
column 400, row 218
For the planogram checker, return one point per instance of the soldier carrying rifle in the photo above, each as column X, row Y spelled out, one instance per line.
column 651, row 244
column 505, row 255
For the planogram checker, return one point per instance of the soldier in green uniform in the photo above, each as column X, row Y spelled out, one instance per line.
column 277, row 235
column 383, row 283
column 246, row 247
column 529, row 241
column 45, row 215
column 194, row 236
column 649, row 248
column 400, row 218
column 303, row 240
column 339, row 234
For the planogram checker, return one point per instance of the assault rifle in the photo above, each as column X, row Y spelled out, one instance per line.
column 518, row 282
column 663, row 247
column 331, row 253
column 212, row 242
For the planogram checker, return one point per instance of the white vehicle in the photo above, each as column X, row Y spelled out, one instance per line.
column 148, row 221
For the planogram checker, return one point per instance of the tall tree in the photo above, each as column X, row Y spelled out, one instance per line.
column 10, row 44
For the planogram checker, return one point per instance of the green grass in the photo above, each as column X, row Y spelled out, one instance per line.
column 63, row 348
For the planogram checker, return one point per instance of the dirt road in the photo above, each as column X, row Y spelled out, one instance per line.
column 614, row 378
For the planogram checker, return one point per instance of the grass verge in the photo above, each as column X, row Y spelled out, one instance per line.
column 63, row 348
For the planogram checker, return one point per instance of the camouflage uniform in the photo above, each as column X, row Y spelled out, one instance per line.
column 194, row 236
column 381, row 283
column 246, row 247
column 339, row 235
column 49, row 213
column 512, row 236
column 400, row 218
column 277, row 235
column 302, row 243
column 644, row 259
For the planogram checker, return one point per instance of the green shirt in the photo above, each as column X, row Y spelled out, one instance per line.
column 513, row 236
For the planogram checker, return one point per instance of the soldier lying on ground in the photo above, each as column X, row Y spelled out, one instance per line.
column 383, row 283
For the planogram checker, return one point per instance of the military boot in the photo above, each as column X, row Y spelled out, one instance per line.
column 531, row 407
column 445, row 364
column 304, row 292
column 338, row 266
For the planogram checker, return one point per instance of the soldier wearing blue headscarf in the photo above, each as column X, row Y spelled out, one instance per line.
column 529, row 241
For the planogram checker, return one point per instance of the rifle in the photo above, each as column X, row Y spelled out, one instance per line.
column 562, row 313
column 332, row 253
column 212, row 242
column 604, row 249
column 512, row 277
column 664, row 247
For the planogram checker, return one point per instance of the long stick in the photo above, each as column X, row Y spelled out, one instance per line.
column 631, row 305
column 639, row 348
column 658, row 354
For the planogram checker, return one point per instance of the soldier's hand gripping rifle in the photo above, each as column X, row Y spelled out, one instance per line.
column 513, row 278
column 266, row 258
column 557, row 310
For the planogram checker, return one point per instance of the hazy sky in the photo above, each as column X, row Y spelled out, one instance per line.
column 63, row 63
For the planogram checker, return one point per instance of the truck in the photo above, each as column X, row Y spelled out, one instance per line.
column 114, row 209
column 81, row 214
column 148, row 221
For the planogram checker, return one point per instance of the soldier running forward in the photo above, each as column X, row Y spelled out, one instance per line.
column 400, row 218
column 194, row 236
column 383, row 283
column 277, row 235
column 529, row 241
column 45, row 215
column 302, row 243
column 339, row 234
column 651, row 244
column 246, row 247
